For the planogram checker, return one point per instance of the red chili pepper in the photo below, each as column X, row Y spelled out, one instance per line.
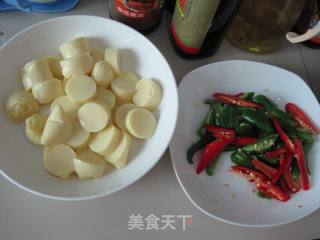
column 293, row 185
column 285, row 163
column 283, row 185
column 302, row 119
column 218, row 132
column 240, row 141
column 235, row 100
column 264, row 191
column 238, row 94
column 284, row 137
column 273, row 190
column 277, row 152
column 211, row 152
column 301, row 164
column 262, row 183
column 248, row 173
column 264, row 168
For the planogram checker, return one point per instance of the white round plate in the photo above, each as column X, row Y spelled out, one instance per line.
column 226, row 196
column 21, row 161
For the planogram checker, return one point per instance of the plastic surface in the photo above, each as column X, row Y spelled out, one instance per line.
column 26, row 6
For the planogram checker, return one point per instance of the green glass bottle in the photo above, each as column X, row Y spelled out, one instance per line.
column 199, row 26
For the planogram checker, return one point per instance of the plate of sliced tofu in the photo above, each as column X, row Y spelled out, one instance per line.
column 87, row 110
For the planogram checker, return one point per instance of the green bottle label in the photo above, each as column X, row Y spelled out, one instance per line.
column 191, row 22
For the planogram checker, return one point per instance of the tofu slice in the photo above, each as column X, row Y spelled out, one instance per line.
column 105, row 142
column 64, row 83
column 148, row 94
column 58, row 128
column 140, row 123
column 80, row 137
column 106, row 96
column 21, row 104
column 54, row 64
column 58, row 160
column 80, row 89
column 112, row 56
column 75, row 47
column 121, row 113
column 77, row 65
column 94, row 116
column 47, row 91
column 97, row 54
column 102, row 73
column 123, row 86
column 89, row 165
column 119, row 157
column 36, row 71
column 34, row 127
column 71, row 108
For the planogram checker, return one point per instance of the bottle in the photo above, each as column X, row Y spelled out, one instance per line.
column 140, row 14
column 199, row 26
column 170, row 4
column 308, row 26
column 261, row 26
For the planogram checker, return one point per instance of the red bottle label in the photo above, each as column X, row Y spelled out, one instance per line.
column 180, row 6
column 136, row 8
column 312, row 24
column 190, row 23
column 180, row 44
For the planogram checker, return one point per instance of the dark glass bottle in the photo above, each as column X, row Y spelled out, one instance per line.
column 142, row 15
column 196, row 35
column 170, row 4
column 308, row 19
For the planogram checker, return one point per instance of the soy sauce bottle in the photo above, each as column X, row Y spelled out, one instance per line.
column 143, row 15
column 199, row 26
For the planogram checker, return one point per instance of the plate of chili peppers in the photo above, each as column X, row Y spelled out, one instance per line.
column 246, row 144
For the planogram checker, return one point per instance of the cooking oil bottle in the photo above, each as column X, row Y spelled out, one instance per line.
column 261, row 26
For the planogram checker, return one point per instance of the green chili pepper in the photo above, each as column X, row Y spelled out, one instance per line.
column 200, row 144
column 231, row 148
column 242, row 108
column 202, row 130
column 218, row 109
column 273, row 110
column 259, row 119
column 274, row 162
column 305, row 135
column 241, row 158
column 295, row 170
column 262, row 144
column 293, row 132
column 265, row 101
column 277, row 113
column 211, row 168
column 306, row 149
column 228, row 117
column 245, row 129
column 262, row 134
column 210, row 101
column 262, row 195
column 247, row 96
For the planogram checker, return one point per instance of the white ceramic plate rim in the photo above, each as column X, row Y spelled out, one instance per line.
column 182, row 185
column 94, row 196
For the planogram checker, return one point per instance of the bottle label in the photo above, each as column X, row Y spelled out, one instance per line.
column 314, row 22
column 180, row 7
column 191, row 22
column 136, row 8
